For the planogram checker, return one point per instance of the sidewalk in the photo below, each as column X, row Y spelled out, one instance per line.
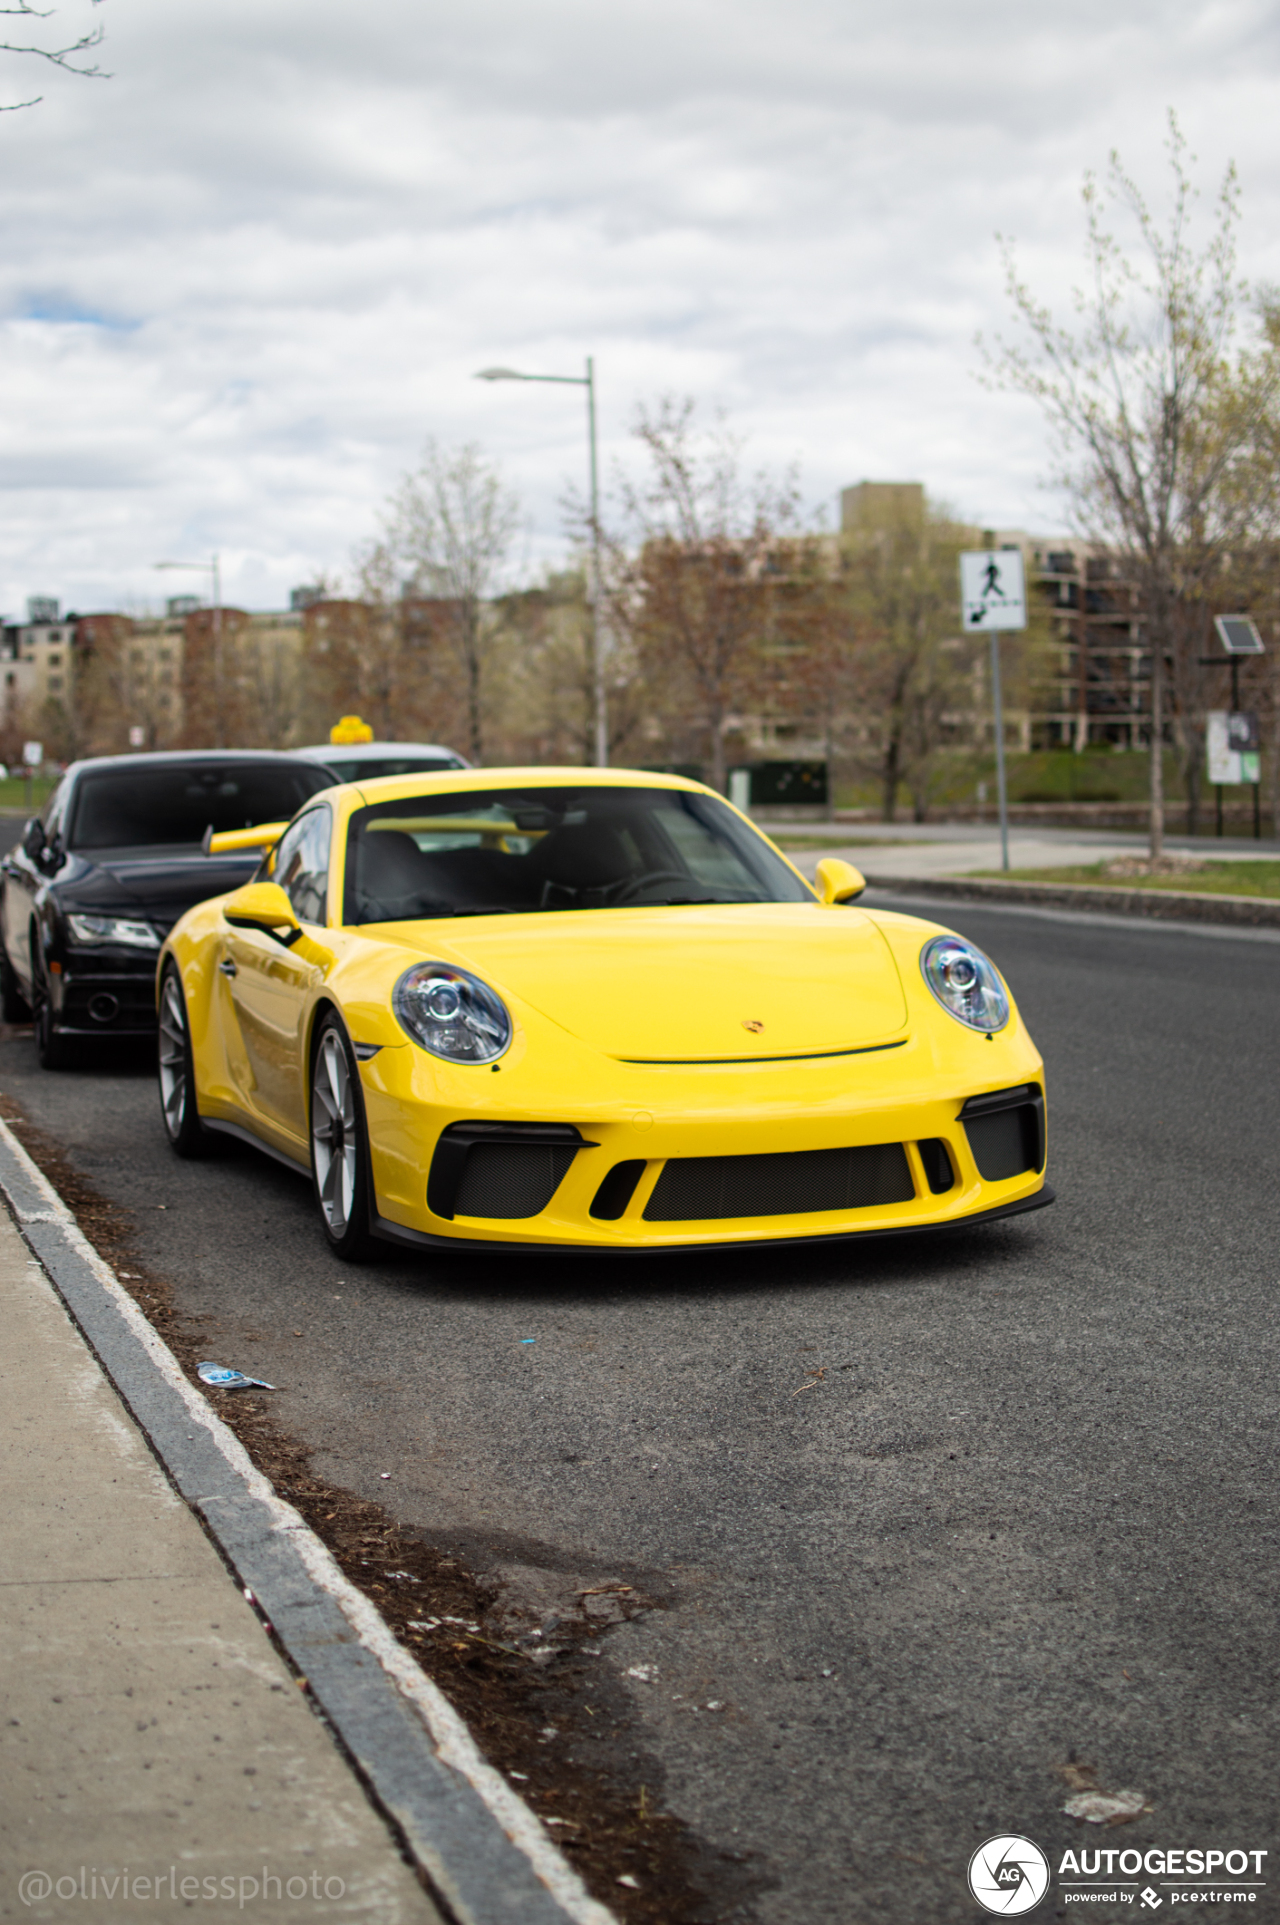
column 149, row 1730
column 956, row 849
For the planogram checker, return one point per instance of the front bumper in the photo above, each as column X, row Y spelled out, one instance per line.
column 887, row 1126
column 103, row 999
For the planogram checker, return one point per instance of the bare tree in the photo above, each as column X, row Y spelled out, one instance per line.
column 450, row 531
column 908, row 671
column 691, row 567
column 1158, row 414
column 64, row 57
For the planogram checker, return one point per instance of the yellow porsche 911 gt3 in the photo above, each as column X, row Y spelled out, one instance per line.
column 592, row 1009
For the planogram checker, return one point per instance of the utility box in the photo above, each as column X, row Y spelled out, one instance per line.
column 779, row 785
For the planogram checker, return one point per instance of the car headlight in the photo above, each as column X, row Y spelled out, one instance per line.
column 965, row 983
column 451, row 1013
column 117, row 929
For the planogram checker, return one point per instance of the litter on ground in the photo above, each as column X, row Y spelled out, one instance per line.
column 224, row 1379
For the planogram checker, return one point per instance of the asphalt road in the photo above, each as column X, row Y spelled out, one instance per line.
column 1028, row 1513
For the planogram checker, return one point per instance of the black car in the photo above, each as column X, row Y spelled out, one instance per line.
column 105, row 870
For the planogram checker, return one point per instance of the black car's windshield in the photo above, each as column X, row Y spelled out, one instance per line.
column 493, row 851
column 137, row 806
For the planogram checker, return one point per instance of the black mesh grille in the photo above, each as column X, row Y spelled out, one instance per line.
column 1006, row 1131
column 511, row 1179
column 700, row 1187
column 1005, row 1144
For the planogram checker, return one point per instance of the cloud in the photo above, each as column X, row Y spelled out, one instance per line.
column 244, row 279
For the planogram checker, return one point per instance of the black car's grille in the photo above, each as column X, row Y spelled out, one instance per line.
column 792, row 1183
column 500, row 1169
column 1006, row 1131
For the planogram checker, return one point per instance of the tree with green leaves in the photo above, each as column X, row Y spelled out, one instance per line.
column 1162, row 398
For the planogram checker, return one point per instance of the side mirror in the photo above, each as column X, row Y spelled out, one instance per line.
column 33, row 838
column 838, row 881
column 264, row 906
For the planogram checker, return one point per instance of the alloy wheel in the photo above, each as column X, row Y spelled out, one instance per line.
column 334, row 1133
column 173, row 1055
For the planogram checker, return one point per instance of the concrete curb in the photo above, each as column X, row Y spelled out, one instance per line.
column 485, row 1854
column 1156, row 905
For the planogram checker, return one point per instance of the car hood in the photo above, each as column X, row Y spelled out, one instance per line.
column 734, row 982
column 159, row 887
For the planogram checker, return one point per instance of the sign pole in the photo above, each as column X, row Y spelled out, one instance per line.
column 993, row 596
column 997, row 709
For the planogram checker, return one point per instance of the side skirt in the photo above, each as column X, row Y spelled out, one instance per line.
column 258, row 1143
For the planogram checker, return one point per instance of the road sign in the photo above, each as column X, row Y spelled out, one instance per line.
column 1232, row 746
column 1238, row 635
column 992, row 588
column 33, row 754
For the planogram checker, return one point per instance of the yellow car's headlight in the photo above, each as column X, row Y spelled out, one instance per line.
column 965, row 983
column 451, row 1013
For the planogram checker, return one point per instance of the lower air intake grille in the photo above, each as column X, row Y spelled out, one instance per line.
column 511, row 1179
column 695, row 1188
column 1006, row 1131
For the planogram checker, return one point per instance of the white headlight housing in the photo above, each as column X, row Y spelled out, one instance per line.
column 451, row 1013
column 117, row 929
column 965, row 983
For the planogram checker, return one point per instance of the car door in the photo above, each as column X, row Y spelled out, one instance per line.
column 269, row 986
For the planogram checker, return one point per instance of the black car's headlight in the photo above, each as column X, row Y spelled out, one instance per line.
column 93, row 930
column 965, row 983
column 451, row 1013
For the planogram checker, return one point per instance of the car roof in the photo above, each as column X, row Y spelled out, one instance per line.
column 183, row 758
column 391, row 788
column 354, row 751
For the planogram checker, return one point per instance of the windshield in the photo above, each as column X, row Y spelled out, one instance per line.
column 363, row 768
column 136, row 806
column 511, row 851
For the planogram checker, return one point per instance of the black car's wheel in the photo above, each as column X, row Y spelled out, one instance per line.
column 176, row 1064
column 339, row 1144
column 14, row 1007
column 52, row 1051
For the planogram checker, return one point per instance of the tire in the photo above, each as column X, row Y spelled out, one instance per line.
column 14, row 1007
column 52, row 1050
column 339, row 1143
column 175, row 1063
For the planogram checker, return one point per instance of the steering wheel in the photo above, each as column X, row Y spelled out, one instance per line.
column 634, row 884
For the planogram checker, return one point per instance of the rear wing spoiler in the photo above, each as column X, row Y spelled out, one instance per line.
column 264, row 835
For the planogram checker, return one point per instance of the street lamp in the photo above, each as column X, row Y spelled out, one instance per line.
column 587, row 381
column 212, row 568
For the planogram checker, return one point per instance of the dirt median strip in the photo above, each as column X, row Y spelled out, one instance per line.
column 1159, row 905
column 484, row 1853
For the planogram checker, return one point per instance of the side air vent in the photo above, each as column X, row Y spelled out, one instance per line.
column 793, row 1183
column 617, row 1190
column 939, row 1174
column 1006, row 1131
column 500, row 1169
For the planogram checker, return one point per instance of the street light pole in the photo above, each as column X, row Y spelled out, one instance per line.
column 600, row 711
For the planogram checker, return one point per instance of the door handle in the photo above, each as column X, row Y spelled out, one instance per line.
column 227, row 967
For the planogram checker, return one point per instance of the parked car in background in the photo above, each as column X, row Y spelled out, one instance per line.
column 105, row 870
column 361, row 761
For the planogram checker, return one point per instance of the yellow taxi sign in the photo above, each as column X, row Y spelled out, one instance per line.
column 350, row 729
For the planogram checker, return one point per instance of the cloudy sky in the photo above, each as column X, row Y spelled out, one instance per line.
column 244, row 278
